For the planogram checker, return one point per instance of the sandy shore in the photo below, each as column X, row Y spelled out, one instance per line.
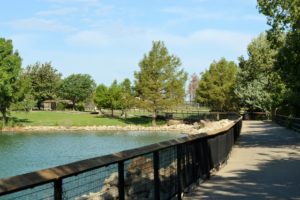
column 179, row 128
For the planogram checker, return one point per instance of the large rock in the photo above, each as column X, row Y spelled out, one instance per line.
column 172, row 122
column 112, row 179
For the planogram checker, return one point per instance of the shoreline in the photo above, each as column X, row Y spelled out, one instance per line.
column 178, row 128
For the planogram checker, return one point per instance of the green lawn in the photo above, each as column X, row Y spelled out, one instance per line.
column 50, row 118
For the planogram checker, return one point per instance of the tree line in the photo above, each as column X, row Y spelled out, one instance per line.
column 158, row 85
column 268, row 79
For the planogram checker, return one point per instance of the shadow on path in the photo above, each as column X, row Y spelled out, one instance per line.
column 264, row 165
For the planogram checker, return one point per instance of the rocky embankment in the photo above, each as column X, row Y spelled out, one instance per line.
column 172, row 125
column 139, row 174
column 138, row 182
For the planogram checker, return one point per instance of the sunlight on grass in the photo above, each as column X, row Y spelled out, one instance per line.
column 50, row 118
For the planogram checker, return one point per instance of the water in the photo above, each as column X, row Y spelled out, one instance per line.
column 26, row 152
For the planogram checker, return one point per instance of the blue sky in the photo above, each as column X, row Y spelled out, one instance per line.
column 108, row 38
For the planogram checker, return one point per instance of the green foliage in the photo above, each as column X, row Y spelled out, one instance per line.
column 10, row 67
column 109, row 97
column 61, row 106
column 100, row 97
column 127, row 96
column 216, row 86
column 160, row 82
column 284, row 17
column 77, row 88
column 45, row 81
column 259, row 87
column 80, row 106
column 25, row 99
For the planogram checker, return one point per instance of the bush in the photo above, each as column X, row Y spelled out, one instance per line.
column 80, row 107
column 61, row 106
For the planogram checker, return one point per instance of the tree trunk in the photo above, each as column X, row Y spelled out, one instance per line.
column 154, row 118
column 73, row 105
column 4, row 117
column 125, row 114
column 112, row 112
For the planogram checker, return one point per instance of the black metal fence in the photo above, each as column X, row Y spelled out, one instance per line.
column 289, row 122
column 159, row 171
column 193, row 116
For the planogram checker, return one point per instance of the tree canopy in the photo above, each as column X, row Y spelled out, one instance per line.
column 160, row 82
column 259, row 87
column 284, row 17
column 216, row 86
column 45, row 81
column 109, row 97
column 77, row 88
column 10, row 67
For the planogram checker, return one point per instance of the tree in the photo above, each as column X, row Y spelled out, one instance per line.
column 284, row 17
column 24, row 97
column 77, row 88
column 216, row 86
column 193, row 85
column 109, row 97
column 45, row 81
column 101, row 98
column 160, row 82
column 259, row 87
column 127, row 96
column 10, row 67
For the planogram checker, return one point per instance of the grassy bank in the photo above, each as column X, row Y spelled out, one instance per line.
column 49, row 118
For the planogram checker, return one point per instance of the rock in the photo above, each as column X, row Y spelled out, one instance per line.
column 112, row 179
column 172, row 122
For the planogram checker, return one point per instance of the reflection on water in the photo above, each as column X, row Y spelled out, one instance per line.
column 26, row 152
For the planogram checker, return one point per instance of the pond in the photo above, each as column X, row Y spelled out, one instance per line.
column 25, row 152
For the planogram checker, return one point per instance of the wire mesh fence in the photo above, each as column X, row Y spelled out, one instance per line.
column 158, row 171
column 42, row 192
column 102, row 182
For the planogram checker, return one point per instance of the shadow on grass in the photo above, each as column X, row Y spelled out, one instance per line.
column 137, row 120
column 14, row 121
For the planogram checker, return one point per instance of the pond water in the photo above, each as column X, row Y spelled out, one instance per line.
column 26, row 152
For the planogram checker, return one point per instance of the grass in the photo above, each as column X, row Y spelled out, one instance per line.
column 50, row 118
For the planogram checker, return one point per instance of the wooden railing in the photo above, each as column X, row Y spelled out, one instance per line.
column 157, row 171
column 289, row 122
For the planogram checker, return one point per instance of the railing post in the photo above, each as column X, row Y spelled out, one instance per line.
column 179, row 181
column 156, row 175
column 58, row 189
column 121, row 183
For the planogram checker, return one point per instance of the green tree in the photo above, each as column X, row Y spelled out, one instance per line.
column 216, row 86
column 109, row 97
column 284, row 17
column 160, row 82
column 259, row 87
column 101, row 97
column 77, row 88
column 127, row 96
column 45, row 81
column 25, row 99
column 10, row 67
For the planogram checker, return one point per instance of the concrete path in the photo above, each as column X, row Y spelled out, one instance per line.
column 265, row 164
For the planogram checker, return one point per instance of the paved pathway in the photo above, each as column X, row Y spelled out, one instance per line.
column 265, row 164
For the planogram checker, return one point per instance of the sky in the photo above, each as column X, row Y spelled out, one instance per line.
column 108, row 38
